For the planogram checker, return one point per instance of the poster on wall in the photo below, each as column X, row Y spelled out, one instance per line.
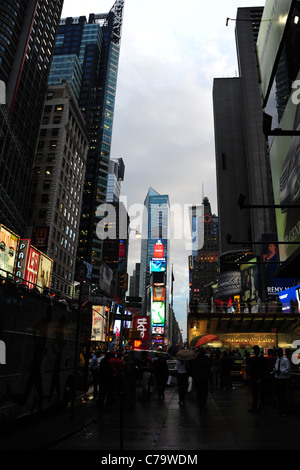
column 8, row 251
column 32, row 266
column 274, row 285
column 43, row 280
column 284, row 158
column 98, row 322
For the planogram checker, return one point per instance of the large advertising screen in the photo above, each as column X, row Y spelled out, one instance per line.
column 285, row 165
column 158, row 313
column 274, row 19
column 8, row 251
column 157, row 265
column 158, row 294
column 290, row 299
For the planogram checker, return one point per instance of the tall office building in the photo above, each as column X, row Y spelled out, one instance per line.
column 155, row 244
column 54, row 213
column 243, row 163
column 116, row 172
column 28, row 32
column 203, row 263
column 87, row 55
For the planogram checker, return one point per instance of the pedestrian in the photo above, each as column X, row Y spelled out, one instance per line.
column 201, row 377
column 182, row 379
column 146, row 370
column 95, row 372
column 161, row 374
column 117, row 366
column 282, row 374
column 269, row 377
column 257, row 372
column 105, row 381
column 226, row 367
column 130, row 379
column 216, row 370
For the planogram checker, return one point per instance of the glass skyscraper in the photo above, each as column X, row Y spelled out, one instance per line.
column 87, row 55
column 155, row 227
column 27, row 38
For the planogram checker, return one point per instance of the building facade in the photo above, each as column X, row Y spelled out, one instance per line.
column 88, row 52
column 28, row 33
column 57, row 188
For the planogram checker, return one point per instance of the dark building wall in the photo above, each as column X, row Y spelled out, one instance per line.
column 231, row 164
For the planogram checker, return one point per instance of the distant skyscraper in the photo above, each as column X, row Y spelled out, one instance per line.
column 204, row 266
column 116, row 172
column 155, row 227
column 87, row 54
column 28, row 32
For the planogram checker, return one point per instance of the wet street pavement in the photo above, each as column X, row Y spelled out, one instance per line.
column 161, row 426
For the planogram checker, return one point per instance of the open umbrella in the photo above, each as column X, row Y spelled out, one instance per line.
column 185, row 354
column 206, row 339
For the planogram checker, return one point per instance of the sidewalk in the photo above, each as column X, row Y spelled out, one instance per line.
column 157, row 425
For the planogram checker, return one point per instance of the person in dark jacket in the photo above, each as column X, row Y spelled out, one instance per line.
column 105, row 380
column 257, row 372
column 161, row 374
column 201, row 377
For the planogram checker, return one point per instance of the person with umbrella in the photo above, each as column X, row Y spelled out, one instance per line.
column 181, row 368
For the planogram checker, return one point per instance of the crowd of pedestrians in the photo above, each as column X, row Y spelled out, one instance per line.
column 133, row 376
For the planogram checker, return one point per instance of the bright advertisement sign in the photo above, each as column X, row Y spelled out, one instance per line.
column 158, row 294
column 98, row 323
column 285, row 167
column 8, row 250
column 22, row 258
column 44, row 275
column 158, row 313
column 158, row 265
column 32, row 267
column 271, row 30
column 142, row 324
column 158, row 250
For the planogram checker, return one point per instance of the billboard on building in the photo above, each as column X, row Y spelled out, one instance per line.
column 32, row 265
column 158, row 250
column 98, row 323
column 142, row 324
column 158, row 310
column 8, row 251
column 40, row 237
column 22, row 258
column 274, row 285
column 272, row 27
column 106, row 278
column 285, row 168
column 159, row 294
column 43, row 280
column 158, row 265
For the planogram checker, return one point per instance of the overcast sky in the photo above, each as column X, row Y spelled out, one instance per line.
column 171, row 51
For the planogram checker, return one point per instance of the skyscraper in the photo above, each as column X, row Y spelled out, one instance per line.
column 155, row 233
column 116, row 172
column 54, row 213
column 28, row 32
column 87, row 54
column 204, row 264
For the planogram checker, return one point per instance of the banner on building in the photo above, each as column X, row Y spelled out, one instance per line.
column 142, row 324
column 8, row 251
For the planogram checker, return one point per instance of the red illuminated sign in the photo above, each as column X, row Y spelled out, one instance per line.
column 158, row 250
